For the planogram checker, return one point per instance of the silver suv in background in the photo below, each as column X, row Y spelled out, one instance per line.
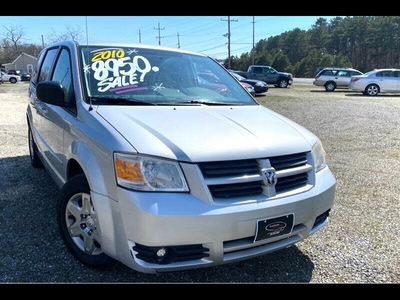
column 163, row 173
column 335, row 78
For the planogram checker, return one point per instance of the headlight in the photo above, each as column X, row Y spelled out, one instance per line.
column 148, row 173
column 319, row 156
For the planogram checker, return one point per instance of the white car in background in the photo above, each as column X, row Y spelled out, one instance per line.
column 9, row 78
column 376, row 81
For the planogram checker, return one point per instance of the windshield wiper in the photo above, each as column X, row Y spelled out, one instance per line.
column 199, row 102
column 120, row 101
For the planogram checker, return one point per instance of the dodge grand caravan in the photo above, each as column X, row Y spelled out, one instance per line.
column 161, row 173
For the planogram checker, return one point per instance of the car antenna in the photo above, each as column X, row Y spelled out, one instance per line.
column 88, row 70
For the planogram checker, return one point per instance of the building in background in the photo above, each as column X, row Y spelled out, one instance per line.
column 22, row 62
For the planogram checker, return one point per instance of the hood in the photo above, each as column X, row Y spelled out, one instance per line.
column 286, row 74
column 207, row 133
column 246, row 80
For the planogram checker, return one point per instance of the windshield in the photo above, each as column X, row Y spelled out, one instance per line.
column 239, row 77
column 159, row 77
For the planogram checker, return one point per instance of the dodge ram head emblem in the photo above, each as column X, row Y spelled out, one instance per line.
column 269, row 176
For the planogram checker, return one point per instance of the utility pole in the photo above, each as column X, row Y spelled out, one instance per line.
column 179, row 45
column 229, row 39
column 252, row 49
column 140, row 37
column 159, row 37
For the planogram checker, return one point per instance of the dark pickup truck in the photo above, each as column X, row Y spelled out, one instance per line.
column 268, row 75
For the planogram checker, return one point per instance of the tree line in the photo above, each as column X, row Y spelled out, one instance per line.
column 360, row 42
column 14, row 42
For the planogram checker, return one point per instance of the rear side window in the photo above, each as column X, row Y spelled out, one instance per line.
column 354, row 73
column 384, row 74
column 329, row 72
column 343, row 74
column 257, row 70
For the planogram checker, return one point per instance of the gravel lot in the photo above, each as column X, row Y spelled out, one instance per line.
column 360, row 244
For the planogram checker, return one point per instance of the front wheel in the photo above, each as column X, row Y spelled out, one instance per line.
column 13, row 80
column 78, row 223
column 283, row 83
column 371, row 90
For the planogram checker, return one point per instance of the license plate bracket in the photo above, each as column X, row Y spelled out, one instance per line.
column 268, row 228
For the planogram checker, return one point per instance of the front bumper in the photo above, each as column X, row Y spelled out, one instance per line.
column 198, row 234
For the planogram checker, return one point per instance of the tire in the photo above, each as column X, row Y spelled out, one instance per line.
column 33, row 155
column 283, row 83
column 78, row 223
column 13, row 80
column 372, row 90
column 330, row 86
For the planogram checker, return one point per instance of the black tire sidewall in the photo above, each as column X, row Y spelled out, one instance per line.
column 330, row 84
column 76, row 185
column 283, row 83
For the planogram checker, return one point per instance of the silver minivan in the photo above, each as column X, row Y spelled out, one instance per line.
column 162, row 173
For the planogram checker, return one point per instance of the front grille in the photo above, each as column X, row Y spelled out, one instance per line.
column 291, row 182
column 288, row 161
column 235, row 190
column 229, row 168
column 243, row 178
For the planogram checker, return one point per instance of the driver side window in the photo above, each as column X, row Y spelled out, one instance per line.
column 47, row 64
column 62, row 74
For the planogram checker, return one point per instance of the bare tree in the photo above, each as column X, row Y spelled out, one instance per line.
column 72, row 33
column 13, row 36
column 12, row 41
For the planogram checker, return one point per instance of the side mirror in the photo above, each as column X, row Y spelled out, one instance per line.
column 51, row 92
